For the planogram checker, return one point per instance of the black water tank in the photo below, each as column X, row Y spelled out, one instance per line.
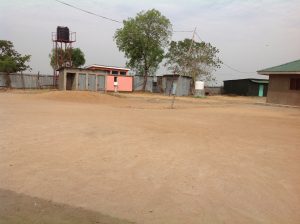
column 63, row 34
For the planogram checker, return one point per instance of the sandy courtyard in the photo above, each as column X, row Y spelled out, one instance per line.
column 97, row 158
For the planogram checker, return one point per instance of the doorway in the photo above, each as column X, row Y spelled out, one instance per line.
column 70, row 81
column 261, row 90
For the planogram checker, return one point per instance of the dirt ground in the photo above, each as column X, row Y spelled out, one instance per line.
column 82, row 157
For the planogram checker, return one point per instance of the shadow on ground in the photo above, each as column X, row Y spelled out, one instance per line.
column 20, row 208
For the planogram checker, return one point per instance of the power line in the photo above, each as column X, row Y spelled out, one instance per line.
column 190, row 49
column 193, row 37
column 228, row 66
column 107, row 18
column 174, row 31
column 183, row 31
column 89, row 12
column 236, row 70
column 198, row 36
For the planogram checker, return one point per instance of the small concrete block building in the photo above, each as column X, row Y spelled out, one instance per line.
column 284, row 86
column 95, row 78
column 246, row 87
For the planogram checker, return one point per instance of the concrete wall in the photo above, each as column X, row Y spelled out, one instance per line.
column 26, row 81
column 90, row 81
column 279, row 90
column 62, row 80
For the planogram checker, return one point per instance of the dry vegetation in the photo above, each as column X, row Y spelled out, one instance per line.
column 70, row 157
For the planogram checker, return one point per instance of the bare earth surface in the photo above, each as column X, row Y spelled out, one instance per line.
column 82, row 157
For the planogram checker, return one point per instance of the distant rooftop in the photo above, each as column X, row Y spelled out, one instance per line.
column 106, row 67
column 291, row 67
column 172, row 74
column 260, row 81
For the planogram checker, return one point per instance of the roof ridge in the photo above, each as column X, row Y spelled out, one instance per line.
column 287, row 63
column 108, row 66
column 291, row 66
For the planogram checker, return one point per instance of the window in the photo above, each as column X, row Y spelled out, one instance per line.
column 122, row 73
column 295, row 84
column 115, row 79
column 103, row 72
column 115, row 72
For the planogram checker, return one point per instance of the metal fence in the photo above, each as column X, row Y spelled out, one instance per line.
column 138, row 82
column 213, row 90
column 26, row 81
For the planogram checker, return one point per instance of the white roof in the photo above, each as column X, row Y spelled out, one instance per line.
column 109, row 67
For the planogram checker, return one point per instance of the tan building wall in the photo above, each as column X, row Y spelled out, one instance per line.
column 62, row 80
column 279, row 90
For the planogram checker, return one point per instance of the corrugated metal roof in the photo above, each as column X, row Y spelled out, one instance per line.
column 293, row 66
column 260, row 81
column 175, row 75
column 251, row 79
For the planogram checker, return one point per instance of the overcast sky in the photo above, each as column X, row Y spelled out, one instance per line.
column 250, row 34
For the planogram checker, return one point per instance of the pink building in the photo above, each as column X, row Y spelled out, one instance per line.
column 119, row 83
column 96, row 78
column 108, row 70
column 117, row 78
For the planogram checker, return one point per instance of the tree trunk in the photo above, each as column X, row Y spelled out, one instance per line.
column 8, row 80
column 145, row 80
column 23, row 81
column 192, row 89
column 146, row 73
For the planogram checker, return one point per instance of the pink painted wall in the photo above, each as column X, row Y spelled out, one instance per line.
column 124, row 83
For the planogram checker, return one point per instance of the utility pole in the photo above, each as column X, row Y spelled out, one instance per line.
column 175, row 70
column 173, row 99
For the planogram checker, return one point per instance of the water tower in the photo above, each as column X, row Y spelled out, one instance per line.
column 62, row 49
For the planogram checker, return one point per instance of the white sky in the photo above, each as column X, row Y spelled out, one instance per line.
column 250, row 34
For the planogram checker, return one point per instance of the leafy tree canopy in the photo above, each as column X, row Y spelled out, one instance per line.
column 10, row 59
column 77, row 57
column 193, row 59
column 143, row 40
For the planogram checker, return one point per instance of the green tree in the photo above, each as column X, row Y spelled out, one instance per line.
column 194, row 59
column 54, row 61
column 143, row 40
column 77, row 58
column 11, row 60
